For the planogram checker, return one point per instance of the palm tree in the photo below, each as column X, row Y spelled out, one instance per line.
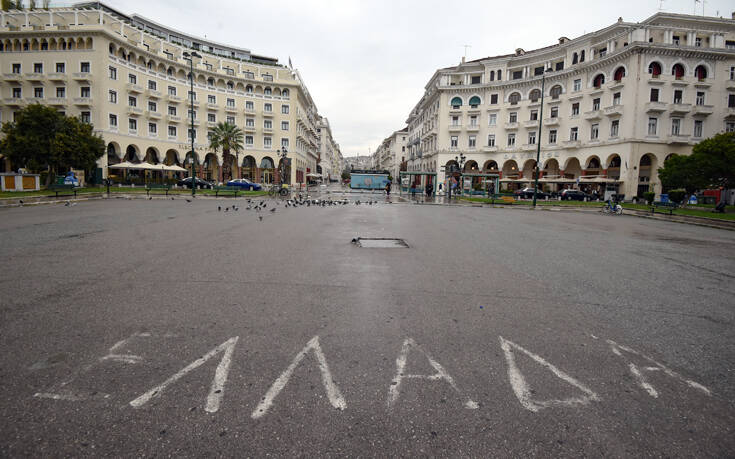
column 227, row 137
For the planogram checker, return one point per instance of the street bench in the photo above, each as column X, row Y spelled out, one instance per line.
column 152, row 187
column 507, row 200
column 665, row 206
column 226, row 189
column 57, row 187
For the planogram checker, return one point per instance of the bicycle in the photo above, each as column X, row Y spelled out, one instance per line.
column 278, row 190
column 610, row 208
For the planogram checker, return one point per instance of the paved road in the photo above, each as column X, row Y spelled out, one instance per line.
column 135, row 327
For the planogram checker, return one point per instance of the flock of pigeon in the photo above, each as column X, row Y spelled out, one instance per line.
column 263, row 205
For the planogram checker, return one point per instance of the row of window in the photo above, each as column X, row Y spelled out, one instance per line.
column 38, row 92
column 152, row 84
column 249, row 105
column 676, row 125
column 173, row 132
column 556, row 90
column 150, row 65
column 616, row 100
column 84, row 67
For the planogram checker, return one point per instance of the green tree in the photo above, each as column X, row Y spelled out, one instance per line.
column 711, row 165
column 41, row 139
column 228, row 138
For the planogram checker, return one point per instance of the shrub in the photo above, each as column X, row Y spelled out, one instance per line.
column 677, row 196
column 649, row 196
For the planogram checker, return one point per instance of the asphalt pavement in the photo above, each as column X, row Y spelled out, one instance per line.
column 169, row 328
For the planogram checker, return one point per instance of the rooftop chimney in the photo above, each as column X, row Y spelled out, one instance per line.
column 463, row 58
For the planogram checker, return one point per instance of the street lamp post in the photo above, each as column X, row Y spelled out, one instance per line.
column 190, row 57
column 460, row 160
column 538, row 138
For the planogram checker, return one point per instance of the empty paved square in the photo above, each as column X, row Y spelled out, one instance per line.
column 136, row 327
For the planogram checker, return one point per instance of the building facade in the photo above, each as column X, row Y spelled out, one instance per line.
column 616, row 103
column 391, row 152
column 330, row 157
column 129, row 77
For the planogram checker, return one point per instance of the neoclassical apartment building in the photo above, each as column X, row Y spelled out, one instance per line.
column 129, row 77
column 391, row 152
column 331, row 160
column 617, row 103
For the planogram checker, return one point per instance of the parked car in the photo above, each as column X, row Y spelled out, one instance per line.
column 574, row 195
column 245, row 184
column 527, row 193
column 200, row 183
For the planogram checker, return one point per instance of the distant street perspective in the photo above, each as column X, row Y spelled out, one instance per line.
column 422, row 253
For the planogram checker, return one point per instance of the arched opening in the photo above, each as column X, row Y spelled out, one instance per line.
column 249, row 168
column 646, row 174
column 613, row 167
column 285, row 93
column 267, row 170
column 490, row 166
column 572, row 169
column 113, row 153
column 534, row 95
column 654, row 68
column 514, row 98
column 131, row 154
column 619, row 74
column 555, row 91
column 172, row 158
column 211, row 167
column 456, row 102
column 551, row 168
column 528, row 168
column 700, row 72
column 511, row 173
column 151, row 156
column 598, row 81
column 678, row 71
column 474, row 101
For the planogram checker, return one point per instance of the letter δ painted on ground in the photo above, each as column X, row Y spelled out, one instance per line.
column 522, row 389
column 333, row 392
column 394, row 391
column 641, row 378
column 218, row 383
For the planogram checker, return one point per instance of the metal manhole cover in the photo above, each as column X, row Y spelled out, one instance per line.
column 380, row 243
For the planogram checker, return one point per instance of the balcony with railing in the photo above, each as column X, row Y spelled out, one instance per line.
column 656, row 107
column 680, row 109
column 57, row 76
column 703, row 110
column 614, row 110
column 82, row 76
column 132, row 87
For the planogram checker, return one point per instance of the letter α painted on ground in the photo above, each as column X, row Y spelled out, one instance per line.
column 394, row 391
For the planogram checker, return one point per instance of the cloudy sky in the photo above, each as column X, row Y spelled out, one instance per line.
column 366, row 62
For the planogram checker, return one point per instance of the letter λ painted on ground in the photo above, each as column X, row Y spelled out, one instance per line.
column 333, row 392
column 394, row 391
column 218, row 383
column 523, row 391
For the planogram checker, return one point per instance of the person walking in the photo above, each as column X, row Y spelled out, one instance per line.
column 429, row 189
column 387, row 188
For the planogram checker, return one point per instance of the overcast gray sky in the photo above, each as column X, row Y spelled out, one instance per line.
column 366, row 62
